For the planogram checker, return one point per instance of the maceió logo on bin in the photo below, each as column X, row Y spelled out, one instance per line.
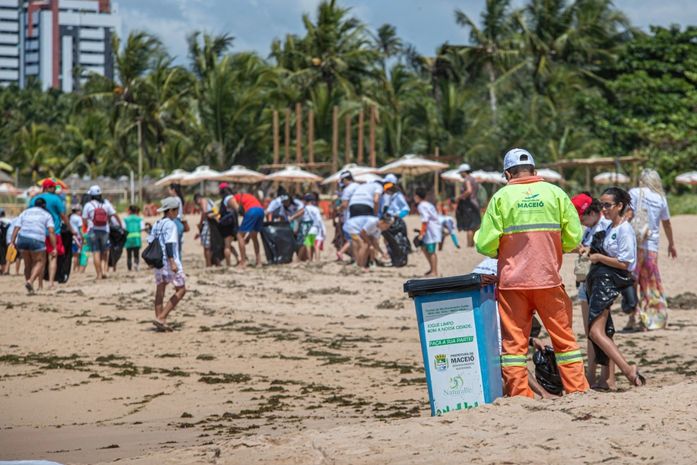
column 440, row 362
column 450, row 340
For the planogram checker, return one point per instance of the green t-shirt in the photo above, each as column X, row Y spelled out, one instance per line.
column 134, row 228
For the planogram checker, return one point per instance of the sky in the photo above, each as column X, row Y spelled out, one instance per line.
column 423, row 23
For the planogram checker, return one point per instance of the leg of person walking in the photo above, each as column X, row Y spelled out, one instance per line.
column 555, row 309
column 515, row 310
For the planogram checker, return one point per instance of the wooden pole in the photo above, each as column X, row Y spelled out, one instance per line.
column 140, row 161
column 436, row 179
column 347, row 139
column 361, row 123
column 311, row 136
column 298, row 133
column 276, row 147
column 373, row 117
column 335, row 138
column 286, row 156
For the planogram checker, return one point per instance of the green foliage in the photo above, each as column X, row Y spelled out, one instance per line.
column 563, row 78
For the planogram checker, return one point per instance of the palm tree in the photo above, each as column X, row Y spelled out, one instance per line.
column 493, row 48
column 387, row 43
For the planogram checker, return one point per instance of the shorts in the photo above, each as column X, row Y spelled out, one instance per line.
column 30, row 245
column 361, row 210
column 310, row 240
column 99, row 241
column 253, row 220
column 430, row 248
column 165, row 276
column 206, row 235
column 60, row 249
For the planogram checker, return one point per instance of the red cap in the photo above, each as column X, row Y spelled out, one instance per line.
column 223, row 185
column 48, row 183
column 581, row 202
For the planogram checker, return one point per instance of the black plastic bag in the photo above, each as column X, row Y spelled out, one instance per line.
column 152, row 255
column 398, row 246
column 279, row 242
column 546, row 370
column 63, row 262
column 217, row 242
column 117, row 238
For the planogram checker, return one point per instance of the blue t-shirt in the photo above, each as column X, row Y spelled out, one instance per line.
column 54, row 205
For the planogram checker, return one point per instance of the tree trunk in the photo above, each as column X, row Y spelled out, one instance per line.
column 492, row 91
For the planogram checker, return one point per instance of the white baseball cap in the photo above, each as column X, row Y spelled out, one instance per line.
column 390, row 178
column 169, row 203
column 464, row 167
column 517, row 157
column 94, row 190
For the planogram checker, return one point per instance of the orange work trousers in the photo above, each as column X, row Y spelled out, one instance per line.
column 516, row 309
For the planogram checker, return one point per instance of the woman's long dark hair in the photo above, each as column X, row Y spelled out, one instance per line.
column 619, row 195
column 177, row 188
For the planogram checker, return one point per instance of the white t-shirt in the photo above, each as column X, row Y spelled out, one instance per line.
column 10, row 229
column 34, row 222
column 366, row 223
column 657, row 207
column 447, row 222
column 166, row 231
column 76, row 222
column 274, row 206
column 429, row 215
column 620, row 243
column 88, row 214
column 348, row 191
column 364, row 194
column 313, row 214
column 588, row 233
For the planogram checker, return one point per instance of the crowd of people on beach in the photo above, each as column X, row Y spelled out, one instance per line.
column 525, row 228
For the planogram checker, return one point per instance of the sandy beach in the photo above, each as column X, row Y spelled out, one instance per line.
column 308, row 364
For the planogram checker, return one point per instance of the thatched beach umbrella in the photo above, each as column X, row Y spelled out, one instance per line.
column 611, row 178
column 199, row 175
column 352, row 168
column 175, row 177
column 549, row 175
column 451, row 176
column 293, row 174
column 689, row 178
column 413, row 165
column 240, row 174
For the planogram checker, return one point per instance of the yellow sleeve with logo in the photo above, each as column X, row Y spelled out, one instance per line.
column 571, row 229
column 490, row 232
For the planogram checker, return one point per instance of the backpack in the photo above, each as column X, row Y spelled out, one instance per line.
column 152, row 255
column 640, row 221
column 100, row 217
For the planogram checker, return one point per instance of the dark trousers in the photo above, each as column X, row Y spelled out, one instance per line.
column 133, row 256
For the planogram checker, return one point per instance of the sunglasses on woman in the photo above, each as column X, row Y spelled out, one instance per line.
column 607, row 205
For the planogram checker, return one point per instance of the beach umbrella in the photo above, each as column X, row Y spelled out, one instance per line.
column 293, row 174
column 4, row 177
column 689, row 178
column 175, row 177
column 8, row 189
column 6, row 167
column 611, row 178
column 240, row 174
column 367, row 177
column 199, row 175
column 451, row 176
column 491, row 177
column 549, row 175
column 353, row 168
column 412, row 165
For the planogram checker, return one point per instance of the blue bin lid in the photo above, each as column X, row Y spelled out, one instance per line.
column 465, row 282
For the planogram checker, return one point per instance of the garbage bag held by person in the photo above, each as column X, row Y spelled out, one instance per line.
column 546, row 370
column 279, row 242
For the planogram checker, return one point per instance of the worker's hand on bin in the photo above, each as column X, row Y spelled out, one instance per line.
column 488, row 279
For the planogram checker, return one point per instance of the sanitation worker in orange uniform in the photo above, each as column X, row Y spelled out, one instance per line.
column 528, row 225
